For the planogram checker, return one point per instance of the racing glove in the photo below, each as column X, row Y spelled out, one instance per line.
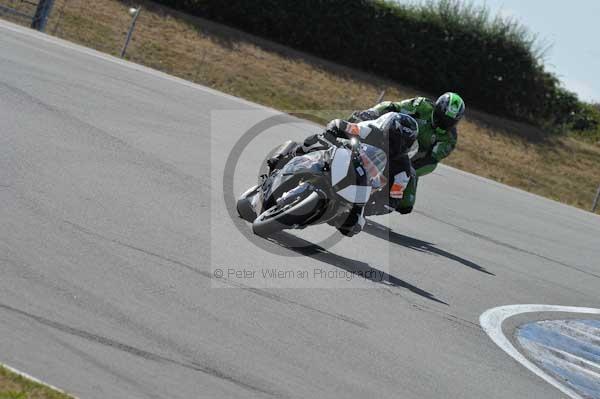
column 360, row 116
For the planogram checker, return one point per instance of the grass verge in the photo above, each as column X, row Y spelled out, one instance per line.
column 562, row 168
column 13, row 386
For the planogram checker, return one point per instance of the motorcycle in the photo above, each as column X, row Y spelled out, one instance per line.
column 315, row 188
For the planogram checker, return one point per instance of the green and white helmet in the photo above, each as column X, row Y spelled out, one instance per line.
column 449, row 110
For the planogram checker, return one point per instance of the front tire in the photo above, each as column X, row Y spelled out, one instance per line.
column 244, row 205
column 288, row 216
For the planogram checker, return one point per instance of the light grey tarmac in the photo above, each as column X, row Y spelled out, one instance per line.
column 112, row 222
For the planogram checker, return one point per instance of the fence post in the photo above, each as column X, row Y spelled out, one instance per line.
column 136, row 13
column 42, row 12
column 595, row 205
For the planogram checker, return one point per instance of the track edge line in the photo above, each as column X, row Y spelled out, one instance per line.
column 36, row 380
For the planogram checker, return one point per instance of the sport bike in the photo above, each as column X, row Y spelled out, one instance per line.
column 319, row 187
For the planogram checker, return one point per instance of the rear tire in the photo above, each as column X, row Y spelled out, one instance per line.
column 279, row 217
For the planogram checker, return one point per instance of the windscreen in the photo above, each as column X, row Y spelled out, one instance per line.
column 311, row 162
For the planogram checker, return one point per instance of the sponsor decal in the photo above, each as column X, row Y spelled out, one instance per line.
column 397, row 191
column 453, row 107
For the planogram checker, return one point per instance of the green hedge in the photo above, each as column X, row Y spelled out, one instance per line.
column 585, row 122
column 441, row 46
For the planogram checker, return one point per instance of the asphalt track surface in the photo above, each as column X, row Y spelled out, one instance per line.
column 112, row 221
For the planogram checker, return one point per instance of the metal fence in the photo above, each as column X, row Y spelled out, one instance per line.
column 37, row 12
column 19, row 9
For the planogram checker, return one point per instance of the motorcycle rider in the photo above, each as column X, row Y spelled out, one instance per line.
column 394, row 133
column 437, row 133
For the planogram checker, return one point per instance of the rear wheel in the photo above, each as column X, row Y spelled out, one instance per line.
column 288, row 215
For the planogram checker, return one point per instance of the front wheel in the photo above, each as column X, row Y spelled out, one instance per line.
column 285, row 216
column 244, row 204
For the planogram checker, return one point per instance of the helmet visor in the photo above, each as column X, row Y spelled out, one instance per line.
column 443, row 121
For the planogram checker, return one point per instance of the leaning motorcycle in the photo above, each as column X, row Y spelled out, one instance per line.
column 315, row 188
